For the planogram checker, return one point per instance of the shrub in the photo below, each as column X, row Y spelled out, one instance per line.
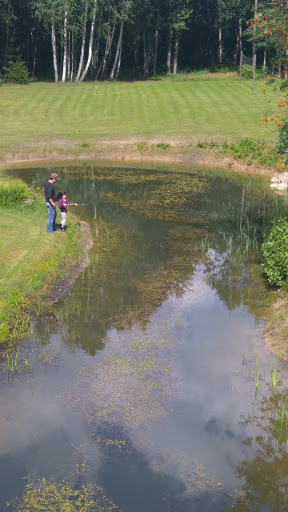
column 17, row 73
column 245, row 147
column 282, row 144
column 247, row 72
column 12, row 192
column 275, row 253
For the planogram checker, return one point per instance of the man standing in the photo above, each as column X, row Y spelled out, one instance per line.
column 50, row 200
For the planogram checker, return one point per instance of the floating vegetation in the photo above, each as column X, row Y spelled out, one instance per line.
column 168, row 197
column 49, row 495
column 134, row 382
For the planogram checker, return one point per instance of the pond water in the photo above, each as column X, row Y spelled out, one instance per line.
column 154, row 374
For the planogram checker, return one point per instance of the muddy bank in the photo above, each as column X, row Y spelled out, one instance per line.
column 86, row 242
column 134, row 150
column 276, row 335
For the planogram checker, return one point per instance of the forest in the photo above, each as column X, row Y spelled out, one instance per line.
column 74, row 40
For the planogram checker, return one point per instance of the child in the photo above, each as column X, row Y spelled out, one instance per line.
column 62, row 204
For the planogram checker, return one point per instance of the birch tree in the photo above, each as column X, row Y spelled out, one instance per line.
column 180, row 13
column 90, row 47
column 124, row 15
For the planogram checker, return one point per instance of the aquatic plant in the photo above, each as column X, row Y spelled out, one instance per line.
column 44, row 495
column 274, row 371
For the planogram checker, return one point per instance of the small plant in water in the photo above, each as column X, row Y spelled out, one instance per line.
column 12, row 363
column 61, row 496
column 257, row 377
column 275, row 371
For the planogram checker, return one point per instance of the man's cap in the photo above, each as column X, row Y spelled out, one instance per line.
column 55, row 176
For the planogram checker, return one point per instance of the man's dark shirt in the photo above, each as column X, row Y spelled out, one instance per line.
column 49, row 192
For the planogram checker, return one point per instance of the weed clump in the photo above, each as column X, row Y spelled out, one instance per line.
column 250, row 149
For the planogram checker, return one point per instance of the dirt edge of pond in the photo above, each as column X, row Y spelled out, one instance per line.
column 134, row 150
column 86, row 241
column 276, row 332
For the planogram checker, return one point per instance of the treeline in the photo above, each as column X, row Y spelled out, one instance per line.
column 73, row 40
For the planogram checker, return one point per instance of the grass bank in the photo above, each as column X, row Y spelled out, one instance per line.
column 32, row 262
column 129, row 120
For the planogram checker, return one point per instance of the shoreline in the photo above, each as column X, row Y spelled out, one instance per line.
column 125, row 152
column 86, row 242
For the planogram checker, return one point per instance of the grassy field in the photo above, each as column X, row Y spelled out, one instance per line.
column 169, row 109
column 31, row 263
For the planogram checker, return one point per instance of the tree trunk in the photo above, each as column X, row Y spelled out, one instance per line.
column 135, row 53
column 34, row 59
column 176, row 52
column 103, row 64
column 117, row 52
column 265, row 58
column 145, row 57
column 254, row 30
column 54, row 50
column 240, row 35
column 119, row 59
column 64, row 71
column 69, row 57
column 90, row 43
column 169, row 51
column 81, row 60
column 238, row 41
column 72, row 57
column 156, row 42
column 220, row 48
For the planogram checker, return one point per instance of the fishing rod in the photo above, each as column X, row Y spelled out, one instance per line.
column 88, row 204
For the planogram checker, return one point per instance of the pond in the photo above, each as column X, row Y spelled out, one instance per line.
column 153, row 380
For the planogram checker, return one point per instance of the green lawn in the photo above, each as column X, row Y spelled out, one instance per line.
column 215, row 109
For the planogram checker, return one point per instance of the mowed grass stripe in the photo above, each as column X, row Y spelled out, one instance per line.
column 41, row 111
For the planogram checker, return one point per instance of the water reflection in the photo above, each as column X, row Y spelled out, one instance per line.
column 150, row 342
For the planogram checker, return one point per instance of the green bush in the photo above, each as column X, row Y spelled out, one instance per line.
column 245, row 147
column 275, row 253
column 12, row 192
column 282, row 144
column 17, row 73
column 247, row 72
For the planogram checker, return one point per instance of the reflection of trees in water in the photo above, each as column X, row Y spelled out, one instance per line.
column 137, row 262
column 234, row 266
column 265, row 472
column 130, row 276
